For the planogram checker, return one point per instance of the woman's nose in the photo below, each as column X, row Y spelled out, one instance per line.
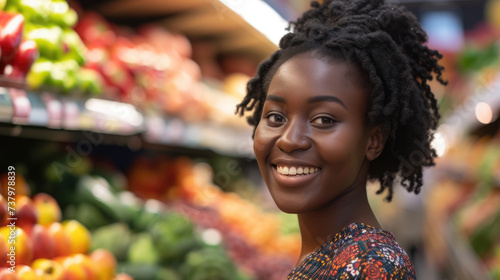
column 294, row 137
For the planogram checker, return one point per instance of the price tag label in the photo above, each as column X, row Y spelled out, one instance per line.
column 6, row 107
column 71, row 114
column 38, row 114
column 54, row 110
column 22, row 106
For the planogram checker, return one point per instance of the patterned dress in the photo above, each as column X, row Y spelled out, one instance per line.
column 358, row 251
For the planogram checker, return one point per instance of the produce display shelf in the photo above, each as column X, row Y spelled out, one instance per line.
column 50, row 117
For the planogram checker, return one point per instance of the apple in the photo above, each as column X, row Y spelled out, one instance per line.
column 49, row 269
column 47, row 208
column 44, row 244
column 25, row 212
column 25, row 272
column 105, row 263
column 4, row 250
column 3, row 209
column 6, row 274
column 73, row 270
column 63, row 241
column 88, row 265
column 22, row 242
column 79, row 235
column 41, row 276
column 21, row 187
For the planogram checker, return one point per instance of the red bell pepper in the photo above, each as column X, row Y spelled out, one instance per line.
column 11, row 34
column 95, row 30
column 16, row 74
column 25, row 56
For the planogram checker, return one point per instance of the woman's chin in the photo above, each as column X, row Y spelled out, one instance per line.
column 289, row 208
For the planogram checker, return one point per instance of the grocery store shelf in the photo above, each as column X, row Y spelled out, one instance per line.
column 39, row 133
column 50, row 117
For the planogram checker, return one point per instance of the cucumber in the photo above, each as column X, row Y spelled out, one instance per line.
column 96, row 191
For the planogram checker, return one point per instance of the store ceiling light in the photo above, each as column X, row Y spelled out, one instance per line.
column 261, row 16
column 484, row 113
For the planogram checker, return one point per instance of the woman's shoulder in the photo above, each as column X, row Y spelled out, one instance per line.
column 359, row 251
column 362, row 251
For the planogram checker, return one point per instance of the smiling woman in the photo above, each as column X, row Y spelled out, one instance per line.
column 313, row 119
column 345, row 100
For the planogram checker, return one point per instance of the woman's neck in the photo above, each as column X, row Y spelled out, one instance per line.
column 319, row 227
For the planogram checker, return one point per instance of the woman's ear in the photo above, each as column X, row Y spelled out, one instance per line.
column 376, row 141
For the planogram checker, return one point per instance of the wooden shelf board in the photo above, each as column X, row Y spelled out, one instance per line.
column 195, row 19
column 135, row 8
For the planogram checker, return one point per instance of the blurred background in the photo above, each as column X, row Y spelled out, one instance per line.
column 117, row 129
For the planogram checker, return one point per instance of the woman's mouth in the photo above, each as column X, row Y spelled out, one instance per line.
column 290, row 176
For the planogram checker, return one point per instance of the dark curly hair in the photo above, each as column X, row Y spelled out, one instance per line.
column 387, row 43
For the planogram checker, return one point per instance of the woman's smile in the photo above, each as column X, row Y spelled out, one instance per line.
column 294, row 176
column 293, row 173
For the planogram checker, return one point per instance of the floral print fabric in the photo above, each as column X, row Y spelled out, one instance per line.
column 359, row 251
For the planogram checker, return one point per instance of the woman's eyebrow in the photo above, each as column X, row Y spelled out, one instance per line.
column 276, row 98
column 322, row 98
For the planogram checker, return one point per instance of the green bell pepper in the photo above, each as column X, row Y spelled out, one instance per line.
column 48, row 39
column 63, row 75
column 73, row 47
column 89, row 81
column 62, row 15
column 39, row 73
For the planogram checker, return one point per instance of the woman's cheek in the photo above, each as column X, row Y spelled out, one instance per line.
column 344, row 159
column 336, row 153
column 260, row 143
column 264, row 140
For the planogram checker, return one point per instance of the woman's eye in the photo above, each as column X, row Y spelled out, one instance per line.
column 323, row 120
column 276, row 118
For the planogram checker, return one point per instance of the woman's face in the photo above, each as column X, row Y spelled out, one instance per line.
column 311, row 141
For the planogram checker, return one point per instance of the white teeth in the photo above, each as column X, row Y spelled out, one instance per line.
column 293, row 171
column 284, row 171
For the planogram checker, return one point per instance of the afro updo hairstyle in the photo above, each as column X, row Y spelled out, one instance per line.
column 387, row 43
